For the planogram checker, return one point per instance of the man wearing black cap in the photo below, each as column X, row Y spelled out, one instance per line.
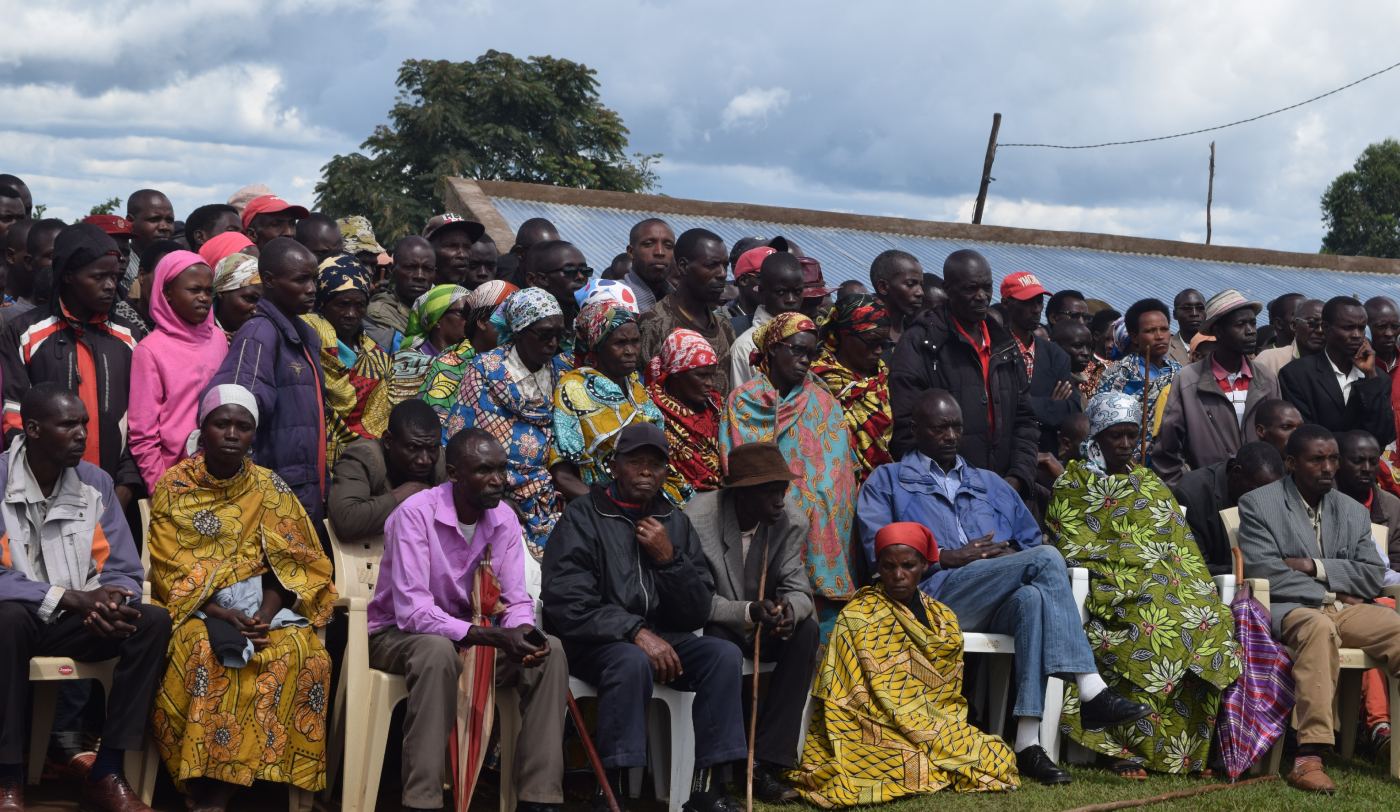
column 452, row 237
column 625, row 587
column 746, row 527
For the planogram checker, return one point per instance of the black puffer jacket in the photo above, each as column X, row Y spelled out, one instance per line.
column 599, row 587
column 933, row 355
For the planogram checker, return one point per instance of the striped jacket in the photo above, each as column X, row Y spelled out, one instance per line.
column 41, row 346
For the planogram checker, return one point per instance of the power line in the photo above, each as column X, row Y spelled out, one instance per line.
column 1211, row 129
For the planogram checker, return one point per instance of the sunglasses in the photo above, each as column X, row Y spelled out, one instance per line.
column 799, row 352
column 576, row 271
column 545, row 336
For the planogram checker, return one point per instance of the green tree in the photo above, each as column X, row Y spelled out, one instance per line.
column 537, row 120
column 108, row 206
column 1361, row 209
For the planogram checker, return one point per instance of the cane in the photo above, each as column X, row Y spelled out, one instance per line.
column 588, row 748
column 1146, row 384
column 753, row 701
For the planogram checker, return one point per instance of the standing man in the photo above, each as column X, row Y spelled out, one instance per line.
column 1383, row 319
column 268, row 217
column 737, row 525
column 694, row 304
column 1189, row 309
column 415, row 268
column 780, row 288
column 276, row 355
column 1276, row 421
column 1281, row 312
column 1067, row 305
column 1047, row 366
column 1073, row 336
column 436, row 546
column 207, row 222
column 374, row 476
column 510, row 265
column 1340, row 388
column 70, row 586
column 741, row 310
column 1307, row 339
column 1314, row 546
column 958, row 349
column 452, row 237
column 626, row 586
column 559, row 268
column 651, row 244
column 1212, row 404
column 898, row 281
column 320, row 233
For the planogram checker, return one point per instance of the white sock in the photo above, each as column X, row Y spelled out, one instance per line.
column 1027, row 733
column 1090, row 685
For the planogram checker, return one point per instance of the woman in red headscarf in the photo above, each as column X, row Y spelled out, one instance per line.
column 681, row 382
column 889, row 694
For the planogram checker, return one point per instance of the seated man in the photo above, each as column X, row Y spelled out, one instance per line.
column 993, row 573
column 70, row 586
column 1314, row 547
column 1356, row 477
column 373, row 477
column 1275, row 420
column 1204, row 492
column 746, row 527
column 626, row 586
column 439, row 547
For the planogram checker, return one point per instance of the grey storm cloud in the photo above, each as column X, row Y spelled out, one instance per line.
column 877, row 107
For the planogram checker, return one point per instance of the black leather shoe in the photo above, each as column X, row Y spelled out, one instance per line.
column 769, row 788
column 1109, row 709
column 12, row 796
column 1034, row 762
column 712, row 801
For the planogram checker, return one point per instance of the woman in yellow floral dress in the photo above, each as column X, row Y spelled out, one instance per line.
column 237, row 563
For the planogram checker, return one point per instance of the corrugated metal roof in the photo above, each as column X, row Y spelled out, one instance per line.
column 1120, row 279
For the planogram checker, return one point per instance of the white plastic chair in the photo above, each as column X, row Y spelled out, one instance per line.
column 1354, row 661
column 670, row 749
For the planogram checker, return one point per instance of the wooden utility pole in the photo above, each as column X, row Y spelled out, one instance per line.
column 1210, row 190
column 987, row 169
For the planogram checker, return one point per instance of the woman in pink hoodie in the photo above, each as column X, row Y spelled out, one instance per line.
column 173, row 365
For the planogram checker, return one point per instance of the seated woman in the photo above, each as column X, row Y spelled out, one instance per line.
column 1159, row 632
column 681, row 381
column 437, row 321
column 598, row 399
column 509, row 392
column 851, row 366
column 237, row 562
column 439, row 386
column 787, row 406
column 889, row 718
column 237, row 290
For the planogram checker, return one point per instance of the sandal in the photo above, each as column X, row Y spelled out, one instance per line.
column 1128, row 770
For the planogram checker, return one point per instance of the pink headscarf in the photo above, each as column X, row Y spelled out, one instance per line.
column 196, row 336
column 229, row 242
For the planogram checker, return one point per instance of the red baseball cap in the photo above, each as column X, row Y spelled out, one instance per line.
column 1021, row 286
column 270, row 204
column 113, row 224
column 751, row 260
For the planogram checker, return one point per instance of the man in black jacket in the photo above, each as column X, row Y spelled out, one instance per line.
column 1340, row 388
column 626, row 585
column 957, row 348
column 1206, row 491
column 1047, row 366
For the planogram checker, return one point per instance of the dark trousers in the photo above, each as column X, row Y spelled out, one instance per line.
column 140, row 666
column 780, row 708
column 713, row 669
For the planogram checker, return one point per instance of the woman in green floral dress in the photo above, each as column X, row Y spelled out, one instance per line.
column 1160, row 633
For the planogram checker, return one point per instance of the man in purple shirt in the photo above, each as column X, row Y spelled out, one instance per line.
column 433, row 545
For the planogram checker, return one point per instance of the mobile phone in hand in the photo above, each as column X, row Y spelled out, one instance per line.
column 536, row 638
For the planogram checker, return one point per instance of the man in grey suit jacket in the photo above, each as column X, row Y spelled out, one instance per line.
column 1314, row 546
column 737, row 525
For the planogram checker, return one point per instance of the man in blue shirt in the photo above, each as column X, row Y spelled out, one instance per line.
column 993, row 573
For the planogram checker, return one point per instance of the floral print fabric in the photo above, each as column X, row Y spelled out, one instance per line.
column 1159, row 632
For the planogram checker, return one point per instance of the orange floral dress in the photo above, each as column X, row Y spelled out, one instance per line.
column 265, row 721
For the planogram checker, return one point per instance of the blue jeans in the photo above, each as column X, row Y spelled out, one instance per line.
column 1025, row 595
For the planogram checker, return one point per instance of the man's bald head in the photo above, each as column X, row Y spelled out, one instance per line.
column 938, row 427
column 411, row 243
column 934, row 404
column 536, row 229
column 963, row 264
column 1380, row 304
column 142, row 199
column 282, row 254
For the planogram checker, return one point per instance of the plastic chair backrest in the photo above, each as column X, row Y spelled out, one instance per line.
column 356, row 564
column 144, row 506
column 1380, row 534
column 1230, row 517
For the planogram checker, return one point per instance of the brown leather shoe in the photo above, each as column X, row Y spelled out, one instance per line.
column 1309, row 776
column 12, row 797
column 111, row 793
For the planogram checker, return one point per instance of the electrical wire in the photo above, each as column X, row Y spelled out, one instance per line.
column 1211, row 129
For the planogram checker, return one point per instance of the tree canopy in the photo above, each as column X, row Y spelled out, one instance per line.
column 1361, row 209
column 537, row 120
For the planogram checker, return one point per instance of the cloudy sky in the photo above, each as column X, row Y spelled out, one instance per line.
column 872, row 107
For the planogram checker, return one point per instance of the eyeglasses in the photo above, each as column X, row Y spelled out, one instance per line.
column 544, row 336
column 455, row 312
column 875, row 342
column 799, row 352
column 577, row 271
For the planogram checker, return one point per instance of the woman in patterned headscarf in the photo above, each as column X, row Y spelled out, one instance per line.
column 1159, row 632
column 509, row 392
column 598, row 399
column 444, row 375
column 355, row 368
column 437, row 320
column 237, row 291
column 852, row 368
column 787, row 406
column 681, row 382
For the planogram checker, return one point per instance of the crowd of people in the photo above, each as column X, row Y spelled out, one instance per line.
column 647, row 474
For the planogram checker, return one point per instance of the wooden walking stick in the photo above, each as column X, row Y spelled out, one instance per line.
column 592, row 752
column 753, row 700
column 1146, row 384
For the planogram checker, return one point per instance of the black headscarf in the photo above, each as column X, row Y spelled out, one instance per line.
column 74, row 247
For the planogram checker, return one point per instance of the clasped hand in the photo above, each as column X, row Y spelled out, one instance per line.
column 104, row 610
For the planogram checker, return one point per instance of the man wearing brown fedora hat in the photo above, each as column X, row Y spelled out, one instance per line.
column 746, row 527
column 1213, row 403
